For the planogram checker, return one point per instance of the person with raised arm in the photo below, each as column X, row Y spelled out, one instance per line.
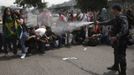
column 119, row 38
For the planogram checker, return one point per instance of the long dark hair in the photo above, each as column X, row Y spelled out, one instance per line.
column 5, row 14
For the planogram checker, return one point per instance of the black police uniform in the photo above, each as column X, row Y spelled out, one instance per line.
column 120, row 30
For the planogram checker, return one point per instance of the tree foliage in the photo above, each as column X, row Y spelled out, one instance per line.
column 2, row 9
column 93, row 5
column 34, row 3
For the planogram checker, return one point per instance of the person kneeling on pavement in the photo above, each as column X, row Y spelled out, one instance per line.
column 93, row 38
column 49, row 38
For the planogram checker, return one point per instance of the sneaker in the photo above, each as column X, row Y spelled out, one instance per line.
column 23, row 56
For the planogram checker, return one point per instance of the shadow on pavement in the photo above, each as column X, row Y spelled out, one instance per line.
column 132, row 60
column 80, row 67
column 7, row 58
column 131, row 47
column 110, row 73
column 132, row 70
column 74, row 64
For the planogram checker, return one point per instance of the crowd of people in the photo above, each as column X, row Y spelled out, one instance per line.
column 29, row 40
column 17, row 36
column 14, row 29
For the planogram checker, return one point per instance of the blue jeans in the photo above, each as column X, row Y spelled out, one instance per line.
column 22, row 42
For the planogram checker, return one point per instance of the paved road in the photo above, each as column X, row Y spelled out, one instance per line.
column 92, row 61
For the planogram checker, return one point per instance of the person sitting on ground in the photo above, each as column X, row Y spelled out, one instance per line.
column 93, row 37
column 49, row 37
column 79, row 35
column 31, row 41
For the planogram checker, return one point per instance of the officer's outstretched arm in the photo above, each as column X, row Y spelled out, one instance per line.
column 110, row 22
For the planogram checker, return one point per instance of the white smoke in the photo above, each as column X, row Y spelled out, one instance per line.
column 59, row 27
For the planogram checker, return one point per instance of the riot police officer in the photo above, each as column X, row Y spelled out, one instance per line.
column 119, row 33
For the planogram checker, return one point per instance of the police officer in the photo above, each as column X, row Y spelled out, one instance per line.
column 119, row 33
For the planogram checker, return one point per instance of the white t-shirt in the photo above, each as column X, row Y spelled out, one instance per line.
column 40, row 31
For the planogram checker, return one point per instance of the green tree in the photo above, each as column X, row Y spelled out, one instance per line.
column 91, row 5
column 2, row 9
column 34, row 3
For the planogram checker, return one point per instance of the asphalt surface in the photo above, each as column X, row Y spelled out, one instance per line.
column 85, row 61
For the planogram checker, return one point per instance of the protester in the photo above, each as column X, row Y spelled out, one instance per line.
column 23, row 15
column 79, row 35
column 9, row 31
column 72, row 17
column 23, row 34
column 90, row 16
column 130, row 17
column 31, row 41
column 93, row 36
column 104, row 16
column 51, row 37
column 85, row 17
column 64, row 37
column 79, row 16
column 62, row 17
column 40, row 39
column 119, row 39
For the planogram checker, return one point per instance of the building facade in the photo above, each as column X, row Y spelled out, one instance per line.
column 66, row 5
